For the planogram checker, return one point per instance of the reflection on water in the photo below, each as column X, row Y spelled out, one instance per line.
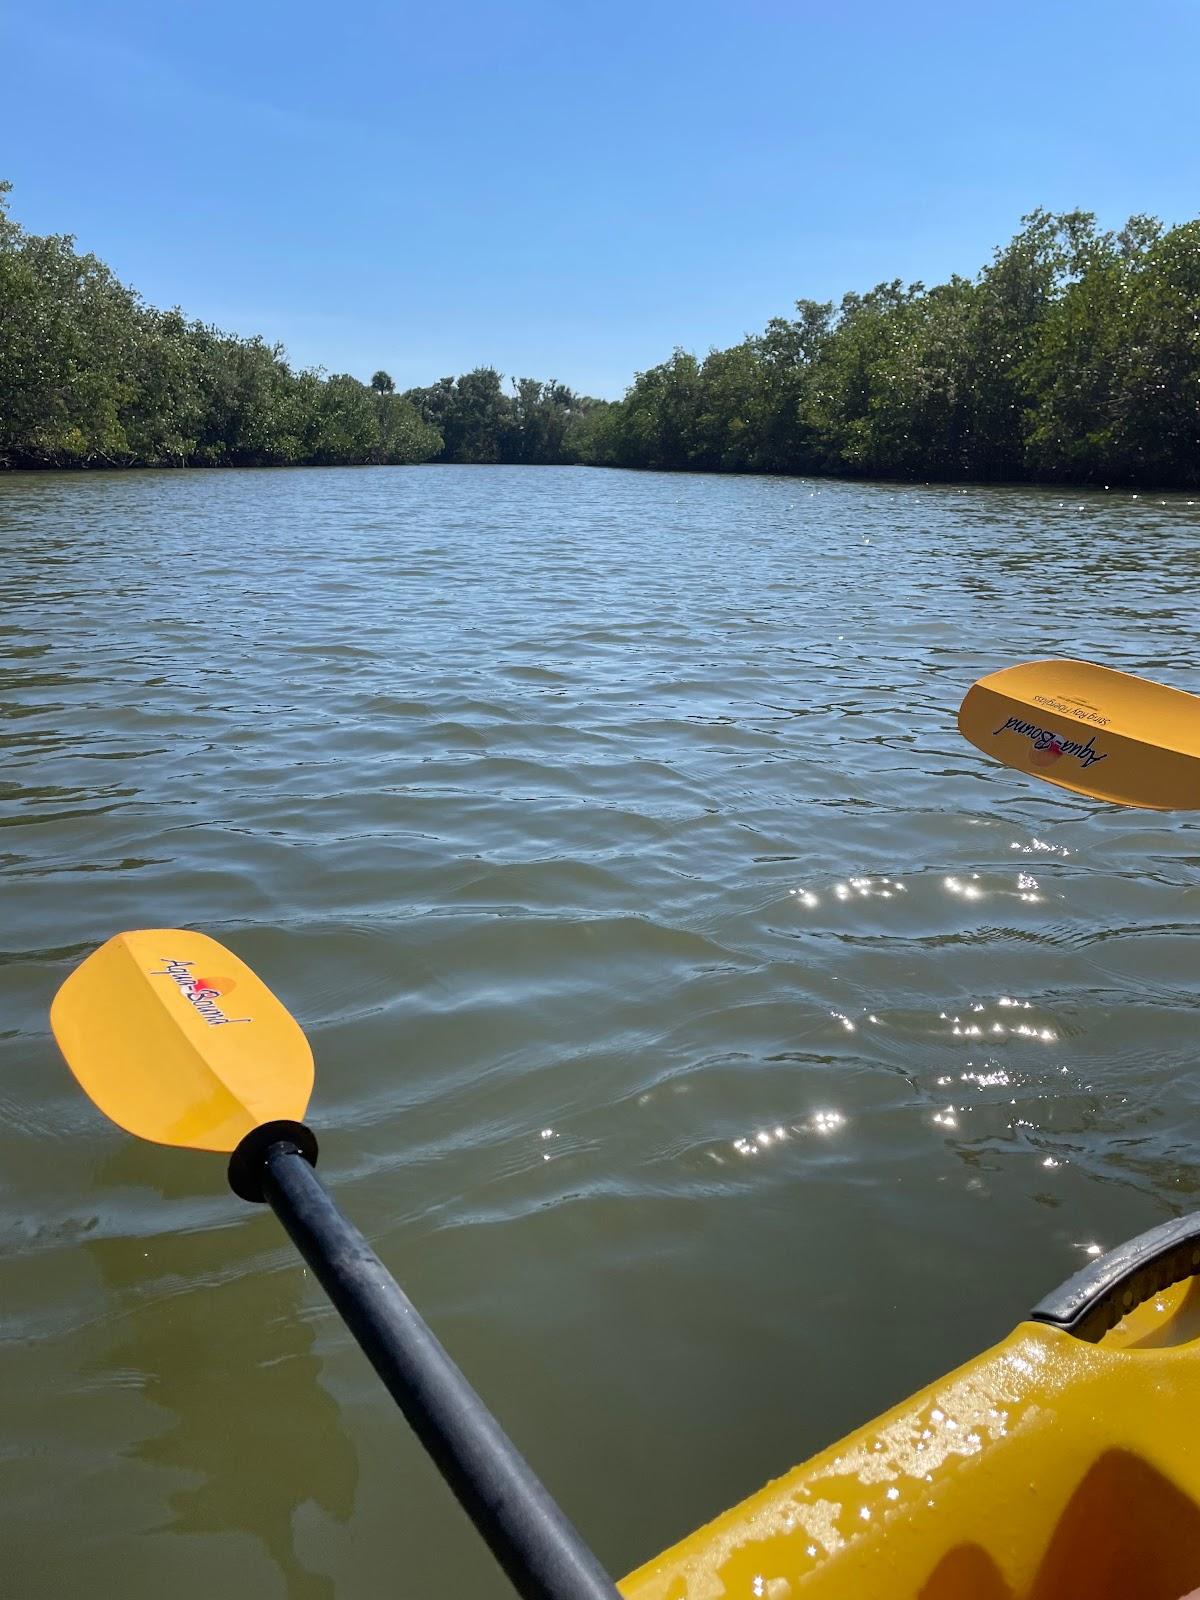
column 715, row 1044
column 249, row 1437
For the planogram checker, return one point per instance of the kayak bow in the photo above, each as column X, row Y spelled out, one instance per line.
column 1061, row 1464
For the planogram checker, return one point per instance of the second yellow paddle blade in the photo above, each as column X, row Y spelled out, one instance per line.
column 1088, row 728
column 176, row 1040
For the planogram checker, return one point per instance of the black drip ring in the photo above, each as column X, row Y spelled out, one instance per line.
column 249, row 1161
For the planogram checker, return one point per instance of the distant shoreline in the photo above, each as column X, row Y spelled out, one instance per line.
column 1070, row 360
column 1045, row 485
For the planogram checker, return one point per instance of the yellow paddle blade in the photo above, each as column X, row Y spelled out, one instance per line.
column 177, row 1040
column 1088, row 728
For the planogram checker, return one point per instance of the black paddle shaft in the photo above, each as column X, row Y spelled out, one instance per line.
column 538, row 1548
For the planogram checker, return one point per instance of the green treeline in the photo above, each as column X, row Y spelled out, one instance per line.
column 91, row 376
column 1074, row 355
column 542, row 424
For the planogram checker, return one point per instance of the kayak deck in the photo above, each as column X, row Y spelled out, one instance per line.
column 1047, row 1468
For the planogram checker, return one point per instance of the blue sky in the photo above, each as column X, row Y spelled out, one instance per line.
column 570, row 190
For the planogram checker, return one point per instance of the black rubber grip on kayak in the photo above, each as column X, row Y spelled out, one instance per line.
column 1096, row 1299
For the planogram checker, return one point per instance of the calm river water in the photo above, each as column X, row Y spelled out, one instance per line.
column 714, row 1044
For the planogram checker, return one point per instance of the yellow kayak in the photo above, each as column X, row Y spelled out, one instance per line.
column 1062, row 1464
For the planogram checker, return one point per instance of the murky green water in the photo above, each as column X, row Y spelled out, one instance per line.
column 714, row 1045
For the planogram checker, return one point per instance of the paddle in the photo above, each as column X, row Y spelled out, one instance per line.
column 176, row 1040
column 1102, row 733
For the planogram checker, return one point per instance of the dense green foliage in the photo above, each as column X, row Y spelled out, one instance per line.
column 91, row 376
column 1074, row 355
column 539, row 423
